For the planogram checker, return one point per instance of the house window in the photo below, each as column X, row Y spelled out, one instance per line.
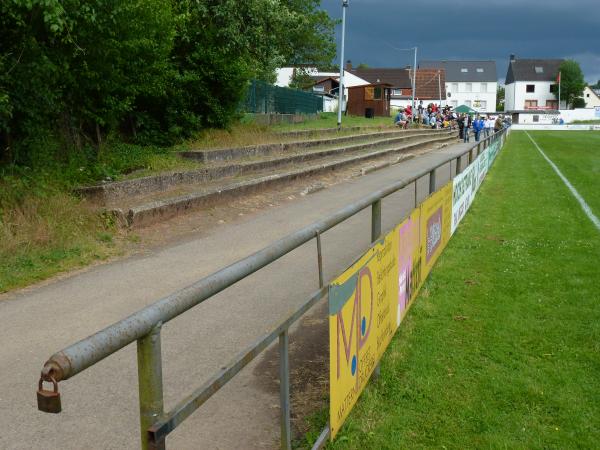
column 369, row 93
column 377, row 93
column 536, row 118
column 479, row 70
column 468, row 103
column 468, row 87
column 483, row 105
column 320, row 88
column 454, row 87
column 539, row 69
column 397, row 92
column 530, row 88
column 454, row 103
column 552, row 104
column 553, row 88
column 531, row 104
column 464, row 70
column 483, row 87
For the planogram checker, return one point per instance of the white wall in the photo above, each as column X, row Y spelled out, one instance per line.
column 460, row 94
column 518, row 94
column 591, row 99
column 569, row 115
column 509, row 97
column 542, row 119
column 555, row 127
column 330, row 104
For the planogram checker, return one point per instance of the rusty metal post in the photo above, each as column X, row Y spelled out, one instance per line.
column 320, row 259
column 375, row 233
column 150, row 384
column 284, row 391
column 375, row 220
column 432, row 182
column 416, row 197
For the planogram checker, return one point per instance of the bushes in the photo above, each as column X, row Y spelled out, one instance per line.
column 151, row 71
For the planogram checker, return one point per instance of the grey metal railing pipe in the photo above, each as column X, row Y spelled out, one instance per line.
column 89, row 351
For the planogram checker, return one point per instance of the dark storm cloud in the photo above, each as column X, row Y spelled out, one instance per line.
column 459, row 29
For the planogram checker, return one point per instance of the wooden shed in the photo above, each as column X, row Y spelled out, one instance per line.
column 369, row 100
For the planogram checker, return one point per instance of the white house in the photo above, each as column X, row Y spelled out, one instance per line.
column 286, row 74
column 532, row 84
column 470, row 83
column 592, row 99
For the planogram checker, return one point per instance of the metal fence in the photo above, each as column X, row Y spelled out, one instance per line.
column 145, row 325
column 263, row 98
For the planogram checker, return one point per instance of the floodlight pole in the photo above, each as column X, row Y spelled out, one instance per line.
column 341, row 88
column 440, row 86
column 414, row 86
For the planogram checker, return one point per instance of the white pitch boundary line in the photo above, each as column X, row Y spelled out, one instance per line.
column 586, row 208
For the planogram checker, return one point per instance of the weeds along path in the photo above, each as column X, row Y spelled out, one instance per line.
column 501, row 348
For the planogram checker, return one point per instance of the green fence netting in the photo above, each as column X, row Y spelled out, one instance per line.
column 264, row 98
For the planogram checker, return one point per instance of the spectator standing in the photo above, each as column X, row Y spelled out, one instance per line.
column 477, row 127
column 489, row 125
column 466, row 125
column 498, row 124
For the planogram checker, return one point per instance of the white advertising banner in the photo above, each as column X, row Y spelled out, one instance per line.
column 482, row 167
column 463, row 191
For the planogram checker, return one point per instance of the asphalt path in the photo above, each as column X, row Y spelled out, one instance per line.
column 100, row 405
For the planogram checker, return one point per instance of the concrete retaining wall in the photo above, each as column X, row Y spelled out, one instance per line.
column 153, row 212
column 106, row 193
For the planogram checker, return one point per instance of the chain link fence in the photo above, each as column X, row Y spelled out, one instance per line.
column 263, row 98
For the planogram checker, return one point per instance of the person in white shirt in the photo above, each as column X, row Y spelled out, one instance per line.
column 489, row 126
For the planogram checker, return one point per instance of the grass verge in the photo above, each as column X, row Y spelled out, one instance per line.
column 502, row 347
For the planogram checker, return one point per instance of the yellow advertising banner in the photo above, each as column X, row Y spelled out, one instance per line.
column 409, row 262
column 436, row 221
column 369, row 300
column 362, row 321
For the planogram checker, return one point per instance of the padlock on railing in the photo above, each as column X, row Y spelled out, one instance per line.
column 48, row 401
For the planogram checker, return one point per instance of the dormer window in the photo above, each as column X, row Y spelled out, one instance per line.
column 539, row 69
column 479, row 70
column 464, row 70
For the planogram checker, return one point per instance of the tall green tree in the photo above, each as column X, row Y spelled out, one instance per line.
column 572, row 82
column 500, row 98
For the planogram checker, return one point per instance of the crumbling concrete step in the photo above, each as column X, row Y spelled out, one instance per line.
column 159, row 210
column 112, row 192
column 321, row 131
column 267, row 149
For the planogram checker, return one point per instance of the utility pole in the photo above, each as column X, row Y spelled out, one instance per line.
column 440, row 86
column 341, row 89
column 414, row 86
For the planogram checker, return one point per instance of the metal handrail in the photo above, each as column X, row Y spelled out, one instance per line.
column 144, row 326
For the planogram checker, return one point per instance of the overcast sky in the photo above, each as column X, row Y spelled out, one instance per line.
column 468, row 29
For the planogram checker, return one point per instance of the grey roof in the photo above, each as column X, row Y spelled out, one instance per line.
column 533, row 70
column 472, row 71
column 398, row 78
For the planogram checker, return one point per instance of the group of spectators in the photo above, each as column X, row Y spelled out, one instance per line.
column 480, row 124
column 432, row 116
column 436, row 117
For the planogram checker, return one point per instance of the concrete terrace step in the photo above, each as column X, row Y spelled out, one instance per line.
column 143, row 211
column 218, row 170
column 266, row 149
